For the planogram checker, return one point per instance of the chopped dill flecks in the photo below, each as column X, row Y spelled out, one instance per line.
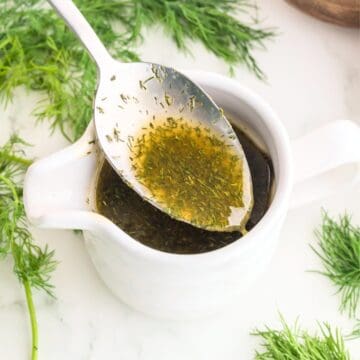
column 190, row 171
column 124, row 98
column 168, row 99
column 192, row 103
column 141, row 85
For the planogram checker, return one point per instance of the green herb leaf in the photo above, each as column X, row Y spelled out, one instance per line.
column 293, row 343
column 213, row 23
column 32, row 265
column 38, row 51
column 339, row 250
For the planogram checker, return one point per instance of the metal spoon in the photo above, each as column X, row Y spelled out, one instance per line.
column 128, row 94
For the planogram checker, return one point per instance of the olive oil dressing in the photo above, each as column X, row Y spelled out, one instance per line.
column 154, row 228
column 191, row 170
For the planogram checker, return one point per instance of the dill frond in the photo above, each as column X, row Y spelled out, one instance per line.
column 38, row 51
column 211, row 22
column 295, row 343
column 32, row 265
column 339, row 250
column 355, row 334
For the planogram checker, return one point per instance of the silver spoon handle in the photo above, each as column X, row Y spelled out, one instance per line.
column 77, row 22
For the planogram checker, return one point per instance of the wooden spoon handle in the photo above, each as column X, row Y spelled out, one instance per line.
column 340, row 12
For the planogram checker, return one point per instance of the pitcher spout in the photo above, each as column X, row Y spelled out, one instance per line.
column 57, row 188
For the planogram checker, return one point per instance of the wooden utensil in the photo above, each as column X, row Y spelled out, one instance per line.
column 340, row 12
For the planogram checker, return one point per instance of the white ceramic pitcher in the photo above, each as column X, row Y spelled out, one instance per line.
column 59, row 193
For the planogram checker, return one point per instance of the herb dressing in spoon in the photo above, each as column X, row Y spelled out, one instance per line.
column 152, row 227
column 192, row 171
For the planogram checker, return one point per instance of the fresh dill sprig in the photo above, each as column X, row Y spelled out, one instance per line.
column 38, row 51
column 339, row 250
column 32, row 265
column 213, row 23
column 293, row 343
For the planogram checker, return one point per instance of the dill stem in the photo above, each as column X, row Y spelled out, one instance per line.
column 26, row 283
column 14, row 158
column 33, row 320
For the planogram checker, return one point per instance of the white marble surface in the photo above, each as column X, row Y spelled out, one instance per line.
column 313, row 78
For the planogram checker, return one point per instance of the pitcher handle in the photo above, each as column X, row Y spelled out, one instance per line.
column 319, row 155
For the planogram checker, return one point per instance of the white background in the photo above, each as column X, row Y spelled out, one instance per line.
column 313, row 78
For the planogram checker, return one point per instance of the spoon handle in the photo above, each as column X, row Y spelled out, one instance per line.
column 78, row 24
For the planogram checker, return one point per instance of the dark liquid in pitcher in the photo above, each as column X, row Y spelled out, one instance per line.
column 152, row 227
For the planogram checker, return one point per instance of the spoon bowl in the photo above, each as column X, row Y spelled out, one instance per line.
column 132, row 95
